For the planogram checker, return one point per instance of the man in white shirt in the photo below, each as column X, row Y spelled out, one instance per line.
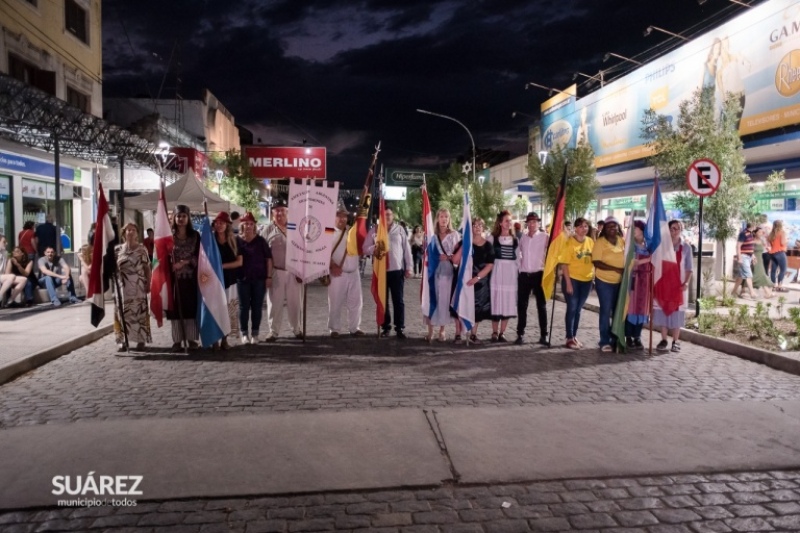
column 286, row 289
column 397, row 270
column 344, row 291
column 532, row 253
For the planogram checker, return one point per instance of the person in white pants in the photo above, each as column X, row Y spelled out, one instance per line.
column 285, row 289
column 344, row 291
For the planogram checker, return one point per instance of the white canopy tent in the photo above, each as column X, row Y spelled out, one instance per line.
column 187, row 191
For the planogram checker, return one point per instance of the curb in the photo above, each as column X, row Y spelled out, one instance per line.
column 32, row 361
column 757, row 355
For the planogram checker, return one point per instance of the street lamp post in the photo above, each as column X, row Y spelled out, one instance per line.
column 650, row 29
column 609, row 55
column 219, row 175
column 471, row 139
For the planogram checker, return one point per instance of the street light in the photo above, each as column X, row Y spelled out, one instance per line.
column 550, row 89
column 515, row 113
column 471, row 139
column 738, row 2
column 612, row 54
column 596, row 77
column 219, row 175
column 543, row 157
column 650, row 29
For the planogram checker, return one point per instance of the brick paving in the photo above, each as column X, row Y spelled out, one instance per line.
column 367, row 373
column 346, row 373
column 664, row 504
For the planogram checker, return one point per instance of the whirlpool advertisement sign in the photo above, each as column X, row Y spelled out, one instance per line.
column 755, row 56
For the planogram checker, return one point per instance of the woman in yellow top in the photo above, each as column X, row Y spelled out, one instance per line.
column 608, row 257
column 577, row 272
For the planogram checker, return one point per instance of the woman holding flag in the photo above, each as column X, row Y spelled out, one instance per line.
column 184, row 282
column 639, row 298
column 482, row 264
column 672, row 323
column 132, row 322
column 231, row 266
column 577, row 273
column 445, row 241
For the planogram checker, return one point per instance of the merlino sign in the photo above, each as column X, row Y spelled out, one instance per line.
column 274, row 162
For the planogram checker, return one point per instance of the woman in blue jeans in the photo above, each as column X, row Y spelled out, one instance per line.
column 608, row 257
column 577, row 272
column 255, row 275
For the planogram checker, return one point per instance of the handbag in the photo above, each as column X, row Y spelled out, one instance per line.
column 325, row 280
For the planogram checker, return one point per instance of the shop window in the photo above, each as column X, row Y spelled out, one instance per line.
column 75, row 18
column 78, row 99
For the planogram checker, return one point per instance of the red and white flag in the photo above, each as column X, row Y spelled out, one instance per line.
column 104, row 234
column 161, row 281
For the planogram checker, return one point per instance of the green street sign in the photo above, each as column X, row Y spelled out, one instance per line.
column 406, row 178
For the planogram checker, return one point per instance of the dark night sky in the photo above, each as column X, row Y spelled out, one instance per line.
column 346, row 74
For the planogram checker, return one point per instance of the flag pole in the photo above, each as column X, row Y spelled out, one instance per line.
column 177, row 294
column 553, row 311
column 650, row 275
column 121, row 307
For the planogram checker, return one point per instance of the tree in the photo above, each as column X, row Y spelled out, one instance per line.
column 701, row 134
column 486, row 200
column 582, row 184
column 239, row 184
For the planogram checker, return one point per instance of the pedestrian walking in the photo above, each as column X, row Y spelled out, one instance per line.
column 777, row 247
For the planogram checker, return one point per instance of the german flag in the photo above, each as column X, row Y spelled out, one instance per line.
column 557, row 239
column 329, row 231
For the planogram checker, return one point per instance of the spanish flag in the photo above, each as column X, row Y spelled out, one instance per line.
column 380, row 260
column 558, row 238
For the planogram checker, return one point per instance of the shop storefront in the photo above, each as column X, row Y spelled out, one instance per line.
column 28, row 193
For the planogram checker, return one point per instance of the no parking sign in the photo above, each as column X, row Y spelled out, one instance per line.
column 703, row 177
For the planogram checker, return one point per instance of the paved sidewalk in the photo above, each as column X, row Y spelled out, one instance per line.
column 35, row 336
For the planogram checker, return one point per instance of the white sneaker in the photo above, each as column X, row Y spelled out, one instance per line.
column 245, row 340
column 254, row 339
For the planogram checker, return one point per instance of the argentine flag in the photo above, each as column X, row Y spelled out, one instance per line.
column 464, row 295
column 212, row 304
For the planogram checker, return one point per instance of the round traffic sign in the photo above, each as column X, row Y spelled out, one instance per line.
column 703, row 177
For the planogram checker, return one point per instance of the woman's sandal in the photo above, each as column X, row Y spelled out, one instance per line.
column 502, row 338
column 494, row 336
column 428, row 338
column 473, row 339
column 442, row 337
column 457, row 339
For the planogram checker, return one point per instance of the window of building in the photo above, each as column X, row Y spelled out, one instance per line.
column 78, row 99
column 76, row 20
column 29, row 73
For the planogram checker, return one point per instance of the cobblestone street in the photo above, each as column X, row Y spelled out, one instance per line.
column 367, row 374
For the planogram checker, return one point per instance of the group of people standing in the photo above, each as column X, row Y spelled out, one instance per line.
column 760, row 259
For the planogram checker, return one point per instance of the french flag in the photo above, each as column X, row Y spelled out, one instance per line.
column 666, row 270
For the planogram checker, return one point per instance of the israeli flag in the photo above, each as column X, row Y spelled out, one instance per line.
column 464, row 295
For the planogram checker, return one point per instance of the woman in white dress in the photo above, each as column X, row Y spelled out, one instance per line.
column 504, row 276
column 445, row 240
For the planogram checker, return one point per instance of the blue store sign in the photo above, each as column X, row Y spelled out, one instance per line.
column 34, row 166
